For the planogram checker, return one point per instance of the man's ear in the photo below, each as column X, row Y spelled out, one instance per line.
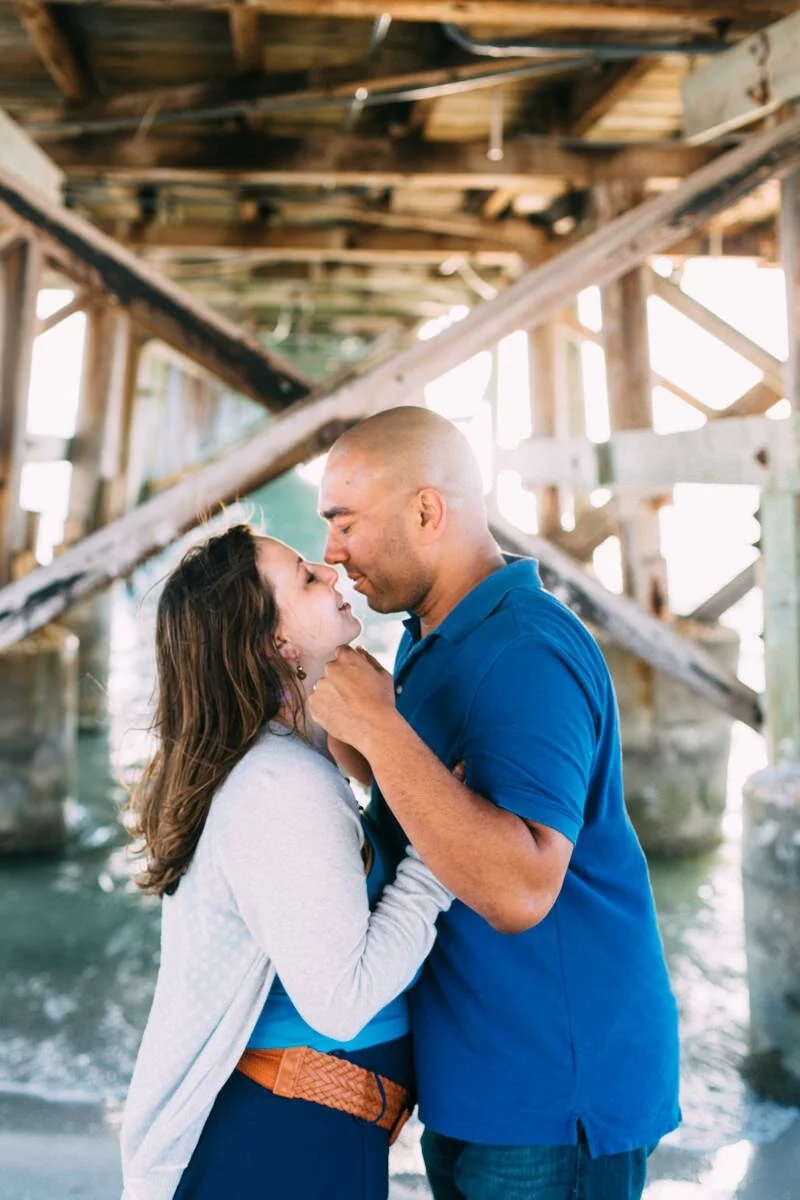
column 431, row 511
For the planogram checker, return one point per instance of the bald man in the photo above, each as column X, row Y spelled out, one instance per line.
column 545, row 1029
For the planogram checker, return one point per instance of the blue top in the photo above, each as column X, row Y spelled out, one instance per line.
column 516, row 1038
column 280, row 1024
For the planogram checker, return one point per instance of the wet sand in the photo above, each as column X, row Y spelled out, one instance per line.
column 65, row 1152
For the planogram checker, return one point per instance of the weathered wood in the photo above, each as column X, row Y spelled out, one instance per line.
column 20, row 275
column 626, row 344
column 80, row 301
column 780, row 524
column 593, row 97
column 96, row 261
column 245, row 26
column 678, row 15
column 98, row 450
column 628, row 625
column 263, row 95
column 542, row 293
column 301, row 243
column 55, row 50
column 710, row 611
column 248, row 158
column 744, row 84
column 771, row 366
column 20, row 155
column 576, row 329
column 738, row 450
column 592, row 528
column 543, row 371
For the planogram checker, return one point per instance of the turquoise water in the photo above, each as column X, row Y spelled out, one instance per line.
column 79, row 947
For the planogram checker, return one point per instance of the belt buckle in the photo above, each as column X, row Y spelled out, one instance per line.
column 402, row 1117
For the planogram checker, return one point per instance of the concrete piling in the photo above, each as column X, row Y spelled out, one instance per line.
column 675, row 748
column 38, row 741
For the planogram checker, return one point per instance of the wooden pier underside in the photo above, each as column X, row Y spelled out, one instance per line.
column 338, row 181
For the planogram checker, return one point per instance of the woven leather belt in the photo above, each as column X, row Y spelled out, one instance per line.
column 305, row 1074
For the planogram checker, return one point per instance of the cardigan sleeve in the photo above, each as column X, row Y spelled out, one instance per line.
column 290, row 847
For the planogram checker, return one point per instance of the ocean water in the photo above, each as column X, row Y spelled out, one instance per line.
column 79, row 948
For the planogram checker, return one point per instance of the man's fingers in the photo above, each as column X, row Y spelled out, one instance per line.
column 370, row 658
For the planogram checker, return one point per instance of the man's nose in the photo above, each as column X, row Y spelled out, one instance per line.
column 334, row 551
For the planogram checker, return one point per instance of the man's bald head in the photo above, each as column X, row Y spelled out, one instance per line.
column 410, row 448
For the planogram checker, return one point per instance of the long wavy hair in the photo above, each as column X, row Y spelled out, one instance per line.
column 220, row 678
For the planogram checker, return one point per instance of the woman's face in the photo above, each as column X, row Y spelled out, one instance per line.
column 313, row 616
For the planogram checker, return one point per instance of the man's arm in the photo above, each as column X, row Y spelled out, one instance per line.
column 350, row 761
column 508, row 870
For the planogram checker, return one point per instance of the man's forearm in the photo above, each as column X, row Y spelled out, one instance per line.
column 485, row 855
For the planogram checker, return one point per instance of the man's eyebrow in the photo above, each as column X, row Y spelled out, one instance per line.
column 328, row 513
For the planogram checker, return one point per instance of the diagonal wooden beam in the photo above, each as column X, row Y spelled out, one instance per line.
column 95, row 261
column 80, row 301
column 537, row 296
column 596, row 95
column 629, row 626
column 725, row 597
column 55, row 50
column 771, row 367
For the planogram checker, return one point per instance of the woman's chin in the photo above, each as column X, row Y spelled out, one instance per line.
column 356, row 627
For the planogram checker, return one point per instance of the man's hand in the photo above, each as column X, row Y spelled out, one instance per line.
column 354, row 698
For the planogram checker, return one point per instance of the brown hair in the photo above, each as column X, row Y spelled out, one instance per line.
column 220, row 678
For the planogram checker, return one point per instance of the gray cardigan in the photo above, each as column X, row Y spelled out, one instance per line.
column 276, row 884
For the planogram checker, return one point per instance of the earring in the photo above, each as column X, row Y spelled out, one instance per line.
column 301, row 674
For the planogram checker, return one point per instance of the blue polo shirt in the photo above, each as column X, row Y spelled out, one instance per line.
column 517, row 1038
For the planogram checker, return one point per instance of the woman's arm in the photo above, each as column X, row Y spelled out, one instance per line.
column 351, row 761
column 291, row 849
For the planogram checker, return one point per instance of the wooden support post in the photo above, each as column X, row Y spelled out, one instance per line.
column 780, row 525
column 543, row 371
column 20, row 272
column 630, row 404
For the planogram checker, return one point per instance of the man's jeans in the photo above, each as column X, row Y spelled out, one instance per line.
column 469, row 1171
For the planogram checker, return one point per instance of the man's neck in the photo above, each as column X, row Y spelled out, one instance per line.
column 443, row 597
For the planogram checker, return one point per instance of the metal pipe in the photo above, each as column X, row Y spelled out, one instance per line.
column 602, row 52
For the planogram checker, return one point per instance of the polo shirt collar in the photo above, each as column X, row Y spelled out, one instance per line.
column 476, row 606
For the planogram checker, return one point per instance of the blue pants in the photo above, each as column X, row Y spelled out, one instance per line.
column 255, row 1144
column 469, row 1171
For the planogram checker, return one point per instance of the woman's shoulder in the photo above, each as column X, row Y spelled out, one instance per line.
column 278, row 769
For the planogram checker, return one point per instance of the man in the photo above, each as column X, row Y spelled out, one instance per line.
column 547, row 1061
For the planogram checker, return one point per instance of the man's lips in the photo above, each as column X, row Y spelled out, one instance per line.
column 357, row 581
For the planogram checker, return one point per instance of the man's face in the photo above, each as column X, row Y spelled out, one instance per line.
column 371, row 528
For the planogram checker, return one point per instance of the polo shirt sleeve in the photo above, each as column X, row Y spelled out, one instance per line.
column 530, row 737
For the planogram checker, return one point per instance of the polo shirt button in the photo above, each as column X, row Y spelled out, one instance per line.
column 398, row 687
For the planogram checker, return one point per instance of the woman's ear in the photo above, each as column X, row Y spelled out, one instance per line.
column 285, row 648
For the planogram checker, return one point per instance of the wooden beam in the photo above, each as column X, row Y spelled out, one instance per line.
column 79, row 302
column 771, row 367
column 257, row 94
column 55, row 50
column 245, row 27
column 710, row 611
column 591, row 530
column 576, row 329
column 99, row 263
column 20, row 277
column 20, row 155
column 744, row 450
column 629, row 626
column 594, row 96
column 744, row 84
column 684, row 16
column 603, row 256
column 543, row 398
column 248, row 158
column 301, row 243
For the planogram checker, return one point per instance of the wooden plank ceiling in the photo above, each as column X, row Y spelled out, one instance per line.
column 350, row 166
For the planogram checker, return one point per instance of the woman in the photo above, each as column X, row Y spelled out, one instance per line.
column 254, row 841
